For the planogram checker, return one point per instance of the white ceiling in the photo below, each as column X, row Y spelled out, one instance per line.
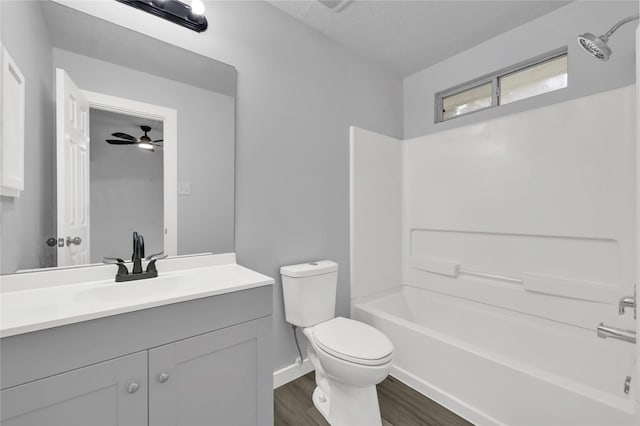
column 407, row 36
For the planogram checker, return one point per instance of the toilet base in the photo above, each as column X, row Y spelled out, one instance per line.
column 321, row 402
column 346, row 405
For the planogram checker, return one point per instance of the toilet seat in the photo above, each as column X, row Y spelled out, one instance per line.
column 353, row 341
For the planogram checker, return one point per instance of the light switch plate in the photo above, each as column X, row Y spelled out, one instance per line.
column 184, row 188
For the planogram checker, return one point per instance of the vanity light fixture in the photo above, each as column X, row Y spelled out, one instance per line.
column 179, row 12
column 197, row 7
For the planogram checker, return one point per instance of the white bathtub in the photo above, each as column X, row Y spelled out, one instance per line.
column 497, row 367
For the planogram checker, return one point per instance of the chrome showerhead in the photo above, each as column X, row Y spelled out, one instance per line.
column 595, row 46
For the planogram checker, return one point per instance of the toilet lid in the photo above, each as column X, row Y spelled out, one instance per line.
column 353, row 341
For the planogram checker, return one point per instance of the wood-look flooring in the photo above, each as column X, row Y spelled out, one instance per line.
column 399, row 405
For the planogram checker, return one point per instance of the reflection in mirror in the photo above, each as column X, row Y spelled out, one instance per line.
column 126, row 184
column 89, row 82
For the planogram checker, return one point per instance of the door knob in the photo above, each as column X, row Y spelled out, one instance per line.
column 133, row 387
column 162, row 378
column 77, row 241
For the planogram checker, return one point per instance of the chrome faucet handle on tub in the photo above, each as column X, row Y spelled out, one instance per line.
column 627, row 302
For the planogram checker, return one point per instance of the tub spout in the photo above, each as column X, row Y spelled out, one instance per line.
column 616, row 333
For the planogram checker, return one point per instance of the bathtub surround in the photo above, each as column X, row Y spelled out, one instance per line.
column 517, row 239
column 375, row 204
column 540, row 36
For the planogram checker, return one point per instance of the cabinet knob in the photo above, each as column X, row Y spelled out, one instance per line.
column 133, row 387
column 163, row 377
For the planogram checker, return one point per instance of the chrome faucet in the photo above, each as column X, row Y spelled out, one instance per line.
column 137, row 273
column 627, row 302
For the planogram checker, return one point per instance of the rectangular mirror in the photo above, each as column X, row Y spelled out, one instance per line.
column 122, row 133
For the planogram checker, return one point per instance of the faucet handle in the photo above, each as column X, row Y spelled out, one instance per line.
column 151, row 266
column 122, row 268
column 156, row 256
column 626, row 302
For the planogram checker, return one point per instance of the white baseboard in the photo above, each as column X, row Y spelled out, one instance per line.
column 448, row 401
column 290, row 373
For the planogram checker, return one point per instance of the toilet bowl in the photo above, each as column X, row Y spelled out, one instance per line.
column 350, row 358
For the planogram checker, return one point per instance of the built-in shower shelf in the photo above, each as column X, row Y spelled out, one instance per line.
column 534, row 282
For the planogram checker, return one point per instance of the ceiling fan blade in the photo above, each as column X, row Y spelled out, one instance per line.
column 119, row 142
column 124, row 136
column 159, row 140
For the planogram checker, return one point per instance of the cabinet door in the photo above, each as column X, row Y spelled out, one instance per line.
column 218, row 378
column 12, row 97
column 97, row 395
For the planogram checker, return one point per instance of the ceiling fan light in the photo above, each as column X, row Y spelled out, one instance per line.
column 145, row 145
column 197, row 7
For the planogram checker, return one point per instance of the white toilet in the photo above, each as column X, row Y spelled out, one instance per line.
column 350, row 357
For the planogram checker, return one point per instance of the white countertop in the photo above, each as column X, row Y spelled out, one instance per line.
column 41, row 300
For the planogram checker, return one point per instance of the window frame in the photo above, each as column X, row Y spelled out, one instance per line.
column 494, row 79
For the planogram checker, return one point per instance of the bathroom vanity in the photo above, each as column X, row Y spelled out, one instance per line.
column 194, row 350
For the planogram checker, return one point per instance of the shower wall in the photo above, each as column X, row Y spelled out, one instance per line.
column 533, row 212
column 375, row 212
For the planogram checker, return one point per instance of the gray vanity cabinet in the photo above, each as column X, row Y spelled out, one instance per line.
column 109, row 393
column 205, row 362
column 210, row 379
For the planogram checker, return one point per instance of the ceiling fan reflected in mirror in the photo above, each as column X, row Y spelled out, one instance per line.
column 143, row 141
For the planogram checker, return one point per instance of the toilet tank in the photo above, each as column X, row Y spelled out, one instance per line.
column 309, row 291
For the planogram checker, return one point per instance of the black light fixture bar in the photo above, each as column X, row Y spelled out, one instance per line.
column 171, row 10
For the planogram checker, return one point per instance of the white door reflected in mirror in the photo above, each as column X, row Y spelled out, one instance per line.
column 72, row 160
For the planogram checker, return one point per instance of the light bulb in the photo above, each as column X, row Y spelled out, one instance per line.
column 145, row 145
column 197, row 7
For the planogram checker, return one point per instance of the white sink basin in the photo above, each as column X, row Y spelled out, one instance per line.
column 40, row 300
column 132, row 291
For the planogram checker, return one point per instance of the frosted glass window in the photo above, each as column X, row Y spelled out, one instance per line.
column 534, row 80
column 467, row 101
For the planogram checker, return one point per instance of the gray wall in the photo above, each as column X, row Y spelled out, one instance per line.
column 549, row 32
column 27, row 221
column 298, row 93
column 205, row 144
column 126, row 189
